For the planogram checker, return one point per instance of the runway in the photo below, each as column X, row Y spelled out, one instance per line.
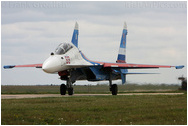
column 58, row 95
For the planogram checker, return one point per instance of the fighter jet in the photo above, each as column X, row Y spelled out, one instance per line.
column 71, row 65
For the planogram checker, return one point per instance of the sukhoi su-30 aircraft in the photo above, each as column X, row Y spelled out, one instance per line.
column 71, row 65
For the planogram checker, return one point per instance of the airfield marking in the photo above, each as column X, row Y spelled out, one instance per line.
column 58, row 95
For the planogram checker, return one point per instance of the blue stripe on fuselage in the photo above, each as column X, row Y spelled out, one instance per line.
column 94, row 63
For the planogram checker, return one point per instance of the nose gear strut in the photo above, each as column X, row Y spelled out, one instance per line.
column 68, row 87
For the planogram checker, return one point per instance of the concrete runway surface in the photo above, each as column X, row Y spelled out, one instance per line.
column 58, row 95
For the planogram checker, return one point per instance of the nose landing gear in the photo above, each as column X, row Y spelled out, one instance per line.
column 70, row 91
column 68, row 87
column 63, row 89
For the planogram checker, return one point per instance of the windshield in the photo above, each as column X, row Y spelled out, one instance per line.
column 63, row 48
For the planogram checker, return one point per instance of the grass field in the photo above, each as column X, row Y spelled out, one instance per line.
column 86, row 89
column 93, row 110
column 136, row 110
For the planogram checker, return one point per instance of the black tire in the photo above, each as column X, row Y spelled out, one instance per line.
column 114, row 89
column 70, row 91
column 63, row 89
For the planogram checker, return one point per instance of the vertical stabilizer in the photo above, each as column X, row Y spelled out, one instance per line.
column 122, row 49
column 75, row 35
column 122, row 53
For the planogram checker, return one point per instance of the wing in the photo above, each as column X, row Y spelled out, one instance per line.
column 29, row 65
column 137, row 66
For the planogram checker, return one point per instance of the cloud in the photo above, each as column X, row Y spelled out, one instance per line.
column 32, row 30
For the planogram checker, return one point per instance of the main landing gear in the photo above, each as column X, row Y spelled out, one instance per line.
column 113, row 87
column 68, row 87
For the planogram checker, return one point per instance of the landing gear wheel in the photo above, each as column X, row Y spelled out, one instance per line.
column 114, row 89
column 70, row 91
column 63, row 89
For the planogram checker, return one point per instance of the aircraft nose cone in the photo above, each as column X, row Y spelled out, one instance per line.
column 51, row 65
column 46, row 68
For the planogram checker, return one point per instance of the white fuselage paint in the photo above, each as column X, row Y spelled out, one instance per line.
column 71, row 59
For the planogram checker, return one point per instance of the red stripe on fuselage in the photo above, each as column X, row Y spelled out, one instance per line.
column 91, row 60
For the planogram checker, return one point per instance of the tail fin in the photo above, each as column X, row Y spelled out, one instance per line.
column 122, row 49
column 122, row 53
column 75, row 35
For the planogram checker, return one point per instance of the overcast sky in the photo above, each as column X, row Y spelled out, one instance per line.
column 157, row 34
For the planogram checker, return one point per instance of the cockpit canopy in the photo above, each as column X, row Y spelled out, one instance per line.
column 63, row 48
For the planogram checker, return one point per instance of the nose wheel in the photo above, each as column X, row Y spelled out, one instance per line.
column 63, row 89
column 68, row 87
column 70, row 91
